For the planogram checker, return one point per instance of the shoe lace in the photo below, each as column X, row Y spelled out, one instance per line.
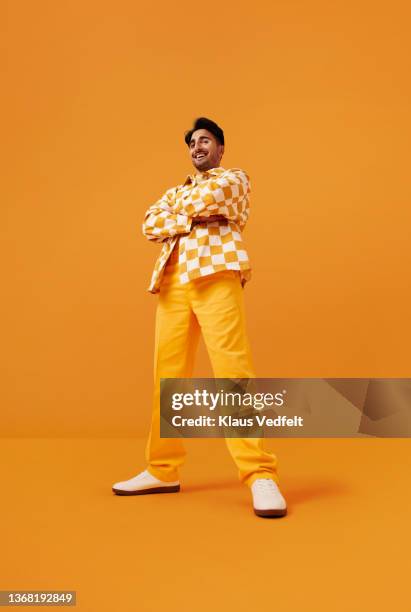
column 265, row 484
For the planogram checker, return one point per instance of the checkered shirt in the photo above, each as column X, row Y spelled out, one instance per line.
column 205, row 248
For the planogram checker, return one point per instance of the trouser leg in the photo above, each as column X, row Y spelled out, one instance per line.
column 176, row 340
column 218, row 303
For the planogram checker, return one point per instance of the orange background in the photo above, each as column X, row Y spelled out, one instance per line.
column 314, row 100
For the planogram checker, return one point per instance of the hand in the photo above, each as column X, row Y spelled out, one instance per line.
column 209, row 219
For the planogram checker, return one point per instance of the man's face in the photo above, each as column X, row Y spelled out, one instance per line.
column 205, row 150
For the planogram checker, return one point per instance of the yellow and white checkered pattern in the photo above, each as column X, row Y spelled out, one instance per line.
column 205, row 248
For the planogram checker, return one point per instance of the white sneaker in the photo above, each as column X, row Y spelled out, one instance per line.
column 267, row 498
column 145, row 483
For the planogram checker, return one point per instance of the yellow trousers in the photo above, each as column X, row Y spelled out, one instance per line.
column 212, row 305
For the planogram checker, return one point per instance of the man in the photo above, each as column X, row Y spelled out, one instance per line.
column 200, row 275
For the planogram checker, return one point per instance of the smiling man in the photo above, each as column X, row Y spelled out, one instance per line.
column 200, row 276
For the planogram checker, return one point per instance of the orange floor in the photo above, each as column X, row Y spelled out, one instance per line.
column 343, row 546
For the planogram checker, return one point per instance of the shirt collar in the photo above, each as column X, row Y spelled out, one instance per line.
column 192, row 178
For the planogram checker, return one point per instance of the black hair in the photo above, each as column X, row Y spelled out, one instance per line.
column 202, row 123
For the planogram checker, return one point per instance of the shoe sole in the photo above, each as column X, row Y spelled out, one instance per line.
column 173, row 489
column 270, row 513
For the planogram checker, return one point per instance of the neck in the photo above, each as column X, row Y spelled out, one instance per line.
column 206, row 169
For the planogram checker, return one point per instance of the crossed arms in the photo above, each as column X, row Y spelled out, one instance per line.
column 220, row 197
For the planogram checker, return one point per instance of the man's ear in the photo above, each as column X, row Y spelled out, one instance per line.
column 221, row 150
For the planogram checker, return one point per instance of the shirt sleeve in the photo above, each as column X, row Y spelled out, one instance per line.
column 225, row 195
column 161, row 222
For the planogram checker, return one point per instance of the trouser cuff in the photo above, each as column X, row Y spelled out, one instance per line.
column 161, row 475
